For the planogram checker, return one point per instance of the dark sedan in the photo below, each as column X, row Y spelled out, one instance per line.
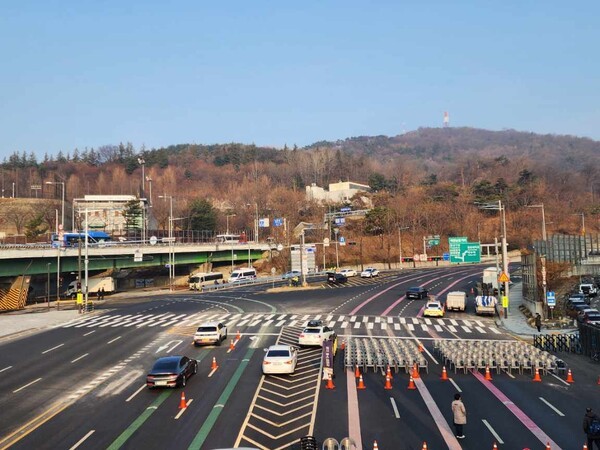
column 416, row 292
column 171, row 371
column 336, row 278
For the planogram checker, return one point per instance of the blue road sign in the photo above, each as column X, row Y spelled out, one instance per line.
column 277, row 222
column 340, row 220
column 446, row 256
column 346, row 209
column 551, row 299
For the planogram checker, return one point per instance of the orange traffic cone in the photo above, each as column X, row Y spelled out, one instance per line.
column 356, row 372
column 375, row 446
column 182, row 402
column 238, row 336
column 420, row 347
column 329, row 384
column 388, row 383
column 388, row 372
column 214, row 364
column 585, row 447
column 343, row 346
column 495, row 447
column 537, row 377
column 570, row 377
column 424, row 446
column 444, row 374
column 488, row 375
column 231, row 346
column 411, row 384
column 361, row 384
column 548, row 446
column 415, row 373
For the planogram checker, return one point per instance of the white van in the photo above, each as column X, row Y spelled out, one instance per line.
column 199, row 280
column 242, row 275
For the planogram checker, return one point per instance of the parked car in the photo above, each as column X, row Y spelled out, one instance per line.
column 369, row 272
column 433, row 309
column 291, row 274
column 171, row 371
column 336, row 278
column 348, row 272
column 315, row 335
column 210, row 333
column 417, row 292
column 280, row 359
column 588, row 289
column 578, row 296
column 590, row 317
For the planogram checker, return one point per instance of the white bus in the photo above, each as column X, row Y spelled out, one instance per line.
column 198, row 280
column 244, row 274
column 228, row 239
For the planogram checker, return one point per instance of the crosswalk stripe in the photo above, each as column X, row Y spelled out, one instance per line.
column 396, row 326
column 438, row 328
column 357, row 325
column 383, row 326
column 428, row 321
column 411, row 327
column 344, row 324
column 467, row 329
column 495, row 330
column 353, row 319
column 451, row 328
column 481, row 330
column 370, row 325
column 424, row 327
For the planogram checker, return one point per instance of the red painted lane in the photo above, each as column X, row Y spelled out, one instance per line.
column 370, row 299
column 420, row 313
column 518, row 413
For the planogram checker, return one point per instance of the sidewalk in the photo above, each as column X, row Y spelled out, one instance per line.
column 516, row 322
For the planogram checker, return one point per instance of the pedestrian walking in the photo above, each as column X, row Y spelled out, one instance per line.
column 102, row 293
column 591, row 427
column 538, row 322
column 460, row 416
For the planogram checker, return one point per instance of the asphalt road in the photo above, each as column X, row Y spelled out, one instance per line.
column 81, row 384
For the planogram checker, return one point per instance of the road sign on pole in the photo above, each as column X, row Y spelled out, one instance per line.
column 454, row 248
column 551, row 299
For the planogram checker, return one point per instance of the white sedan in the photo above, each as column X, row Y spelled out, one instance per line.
column 348, row 272
column 369, row 272
column 315, row 335
column 280, row 359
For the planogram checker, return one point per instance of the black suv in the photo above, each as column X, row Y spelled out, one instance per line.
column 417, row 292
column 336, row 278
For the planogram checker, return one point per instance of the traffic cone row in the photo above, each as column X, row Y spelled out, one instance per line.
column 238, row 336
column 411, row 384
column 444, row 374
column 388, row 383
column 537, row 377
column 182, row 402
column 570, row 377
column 231, row 346
column 488, row 375
column 361, row 383
column 214, row 366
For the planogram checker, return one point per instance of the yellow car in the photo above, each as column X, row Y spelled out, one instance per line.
column 433, row 309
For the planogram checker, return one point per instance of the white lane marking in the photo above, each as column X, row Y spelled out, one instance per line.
column 28, row 384
column 455, row 385
column 438, row 328
column 80, row 441
column 411, row 327
column 396, row 413
column 481, row 330
column 136, row 393
column 494, row 330
column 552, row 407
column 87, row 334
column 507, row 372
column 489, row 427
column 53, row 348
column 115, row 339
column 6, row 368
column 452, row 329
column 356, row 324
column 81, row 357
column 467, row 330
column 182, row 410
column 560, row 379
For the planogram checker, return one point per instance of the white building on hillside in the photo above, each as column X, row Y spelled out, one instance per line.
column 105, row 212
column 337, row 193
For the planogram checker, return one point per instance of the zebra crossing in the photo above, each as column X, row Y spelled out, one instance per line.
column 342, row 323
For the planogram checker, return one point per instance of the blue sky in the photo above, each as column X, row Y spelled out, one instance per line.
column 154, row 73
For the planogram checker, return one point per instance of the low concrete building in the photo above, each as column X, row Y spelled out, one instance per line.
column 105, row 212
column 337, row 193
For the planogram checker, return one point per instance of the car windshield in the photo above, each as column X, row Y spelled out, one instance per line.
column 433, row 305
column 165, row 366
column 414, row 289
column 206, row 329
column 312, row 330
column 278, row 353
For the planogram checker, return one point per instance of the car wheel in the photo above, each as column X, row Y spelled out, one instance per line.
column 218, row 342
column 225, row 335
column 196, row 344
column 195, row 368
column 183, row 381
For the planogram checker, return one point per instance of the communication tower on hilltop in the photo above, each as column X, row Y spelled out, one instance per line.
column 446, row 119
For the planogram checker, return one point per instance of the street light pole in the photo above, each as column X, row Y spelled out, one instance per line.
column 171, row 247
column 544, row 236
column 256, row 222
column 227, row 219
column 59, row 229
column 337, row 257
column 48, row 285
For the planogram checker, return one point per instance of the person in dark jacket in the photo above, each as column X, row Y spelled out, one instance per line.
column 538, row 322
column 591, row 416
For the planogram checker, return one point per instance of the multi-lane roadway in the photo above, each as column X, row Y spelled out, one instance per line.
column 81, row 384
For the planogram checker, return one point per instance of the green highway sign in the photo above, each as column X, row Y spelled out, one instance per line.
column 454, row 248
column 470, row 252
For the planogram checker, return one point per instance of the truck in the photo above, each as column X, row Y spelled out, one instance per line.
column 588, row 289
column 456, row 300
column 485, row 304
column 490, row 280
column 94, row 285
